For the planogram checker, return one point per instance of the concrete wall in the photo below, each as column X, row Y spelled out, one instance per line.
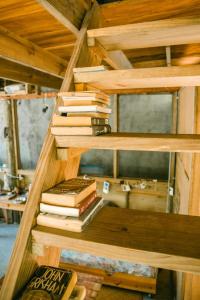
column 139, row 113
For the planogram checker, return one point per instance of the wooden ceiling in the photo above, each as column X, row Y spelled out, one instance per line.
column 33, row 21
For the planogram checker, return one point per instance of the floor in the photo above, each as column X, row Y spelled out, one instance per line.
column 7, row 237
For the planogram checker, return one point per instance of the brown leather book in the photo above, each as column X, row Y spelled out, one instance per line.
column 69, row 192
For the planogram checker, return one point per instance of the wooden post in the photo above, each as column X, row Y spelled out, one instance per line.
column 172, row 156
column 15, row 134
column 8, row 135
column 191, row 286
column 115, row 129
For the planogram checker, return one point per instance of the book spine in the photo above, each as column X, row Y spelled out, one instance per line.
column 99, row 121
column 98, row 130
column 85, row 204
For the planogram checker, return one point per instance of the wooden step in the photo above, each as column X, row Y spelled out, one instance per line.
column 175, row 76
column 134, row 141
column 162, row 240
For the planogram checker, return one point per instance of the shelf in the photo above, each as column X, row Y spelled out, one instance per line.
column 9, row 204
column 134, row 141
column 162, row 240
column 175, row 76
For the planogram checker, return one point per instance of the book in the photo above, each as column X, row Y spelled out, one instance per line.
column 84, row 108
column 90, row 95
column 49, row 283
column 88, row 114
column 89, row 130
column 69, row 192
column 70, row 223
column 69, row 211
column 78, row 293
column 84, row 102
column 58, row 120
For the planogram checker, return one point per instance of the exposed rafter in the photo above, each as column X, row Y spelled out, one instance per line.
column 22, row 51
column 149, row 34
column 69, row 13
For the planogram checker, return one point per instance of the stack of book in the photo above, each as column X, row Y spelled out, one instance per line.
column 70, row 205
column 82, row 113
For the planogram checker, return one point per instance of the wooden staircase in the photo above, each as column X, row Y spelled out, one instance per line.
column 161, row 240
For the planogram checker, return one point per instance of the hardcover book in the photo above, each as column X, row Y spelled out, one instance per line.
column 58, row 120
column 88, row 114
column 84, row 108
column 89, row 130
column 49, row 283
column 69, row 192
column 89, row 95
column 69, row 211
column 70, row 223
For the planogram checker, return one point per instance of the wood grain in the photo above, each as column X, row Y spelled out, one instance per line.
column 161, row 240
column 134, row 141
column 149, row 34
column 141, row 78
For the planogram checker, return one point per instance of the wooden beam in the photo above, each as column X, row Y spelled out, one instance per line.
column 141, row 78
column 22, row 51
column 143, row 91
column 191, row 287
column 134, row 141
column 161, row 240
column 116, row 59
column 148, row 34
column 69, row 153
column 120, row 59
column 68, row 13
column 16, row 72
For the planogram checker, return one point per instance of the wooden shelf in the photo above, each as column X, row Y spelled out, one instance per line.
column 134, row 141
column 175, row 76
column 9, row 204
column 162, row 240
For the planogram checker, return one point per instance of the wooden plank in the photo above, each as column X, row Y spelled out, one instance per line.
column 141, row 78
column 31, row 96
column 191, row 287
column 120, row 280
column 115, row 128
column 134, row 141
column 116, row 59
column 49, row 171
column 161, row 240
column 15, row 134
column 16, row 72
column 22, row 51
column 124, row 12
column 149, row 34
column 8, row 204
column 162, row 90
column 65, row 154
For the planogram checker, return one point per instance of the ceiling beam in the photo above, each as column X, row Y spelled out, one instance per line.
column 68, row 13
column 12, row 71
column 22, row 51
column 149, row 34
column 141, row 78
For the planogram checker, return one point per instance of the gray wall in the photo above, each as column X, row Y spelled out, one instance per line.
column 137, row 113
